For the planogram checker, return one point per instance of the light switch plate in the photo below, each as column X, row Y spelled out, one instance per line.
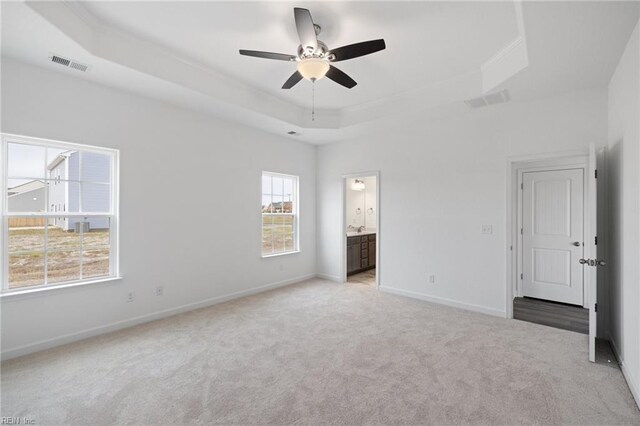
column 487, row 229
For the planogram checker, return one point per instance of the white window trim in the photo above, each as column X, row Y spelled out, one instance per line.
column 295, row 214
column 113, row 214
column 45, row 289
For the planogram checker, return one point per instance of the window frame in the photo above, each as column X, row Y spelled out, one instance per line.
column 113, row 214
column 295, row 207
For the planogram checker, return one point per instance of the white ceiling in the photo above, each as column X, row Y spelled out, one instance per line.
column 438, row 54
column 427, row 42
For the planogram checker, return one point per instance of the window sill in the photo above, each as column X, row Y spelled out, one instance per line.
column 10, row 294
column 266, row 256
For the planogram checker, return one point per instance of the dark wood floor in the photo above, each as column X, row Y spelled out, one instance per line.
column 558, row 315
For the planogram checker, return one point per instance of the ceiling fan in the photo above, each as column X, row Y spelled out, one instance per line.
column 314, row 57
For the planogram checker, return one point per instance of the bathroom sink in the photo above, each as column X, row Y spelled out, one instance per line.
column 365, row 232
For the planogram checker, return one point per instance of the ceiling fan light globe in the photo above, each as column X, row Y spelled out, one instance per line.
column 313, row 68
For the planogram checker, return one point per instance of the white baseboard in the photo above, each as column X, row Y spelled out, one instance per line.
column 444, row 301
column 333, row 278
column 95, row 331
column 633, row 387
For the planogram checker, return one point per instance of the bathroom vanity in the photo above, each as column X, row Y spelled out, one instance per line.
column 361, row 251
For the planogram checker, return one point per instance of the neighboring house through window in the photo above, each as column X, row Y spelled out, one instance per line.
column 72, row 241
column 279, row 214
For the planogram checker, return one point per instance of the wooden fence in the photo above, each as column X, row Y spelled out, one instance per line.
column 22, row 222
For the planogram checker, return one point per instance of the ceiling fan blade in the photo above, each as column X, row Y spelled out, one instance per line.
column 340, row 77
column 358, row 49
column 306, row 31
column 292, row 81
column 268, row 55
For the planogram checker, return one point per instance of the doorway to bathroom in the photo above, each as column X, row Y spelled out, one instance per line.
column 361, row 230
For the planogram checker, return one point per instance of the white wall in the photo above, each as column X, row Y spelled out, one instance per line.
column 190, row 193
column 624, row 182
column 363, row 200
column 440, row 182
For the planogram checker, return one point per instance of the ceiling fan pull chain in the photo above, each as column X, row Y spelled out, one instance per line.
column 313, row 100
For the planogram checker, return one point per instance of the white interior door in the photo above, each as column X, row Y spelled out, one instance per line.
column 553, row 235
column 590, row 265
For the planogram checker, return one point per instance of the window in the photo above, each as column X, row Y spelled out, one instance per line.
column 279, row 214
column 59, row 213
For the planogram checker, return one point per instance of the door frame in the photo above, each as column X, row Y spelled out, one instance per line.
column 343, row 222
column 515, row 167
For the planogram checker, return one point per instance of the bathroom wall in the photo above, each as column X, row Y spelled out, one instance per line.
column 370, row 211
column 361, row 205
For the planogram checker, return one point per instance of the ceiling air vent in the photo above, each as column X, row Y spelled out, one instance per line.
column 490, row 99
column 68, row 63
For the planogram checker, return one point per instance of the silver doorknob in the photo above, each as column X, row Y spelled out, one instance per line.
column 601, row 263
column 576, row 243
column 583, row 261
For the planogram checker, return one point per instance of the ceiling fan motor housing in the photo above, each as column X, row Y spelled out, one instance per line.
column 322, row 52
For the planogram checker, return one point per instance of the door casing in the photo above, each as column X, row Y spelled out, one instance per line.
column 515, row 167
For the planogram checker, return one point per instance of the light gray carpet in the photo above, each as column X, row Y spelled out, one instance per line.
column 321, row 353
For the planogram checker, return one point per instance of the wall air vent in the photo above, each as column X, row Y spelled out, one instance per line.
column 78, row 66
column 68, row 63
column 489, row 99
column 61, row 61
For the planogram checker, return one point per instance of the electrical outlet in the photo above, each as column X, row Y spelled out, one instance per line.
column 487, row 229
column 159, row 290
column 130, row 296
column 432, row 279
